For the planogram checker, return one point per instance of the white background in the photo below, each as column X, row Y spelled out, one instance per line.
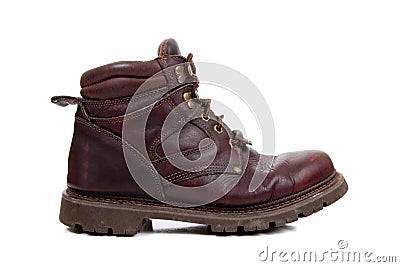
column 329, row 71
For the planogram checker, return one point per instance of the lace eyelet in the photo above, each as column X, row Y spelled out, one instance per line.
column 181, row 78
column 216, row 129
column 187, row 95
column 237, row 169
column 179, row 69
column 205, row 118
column 190, row 103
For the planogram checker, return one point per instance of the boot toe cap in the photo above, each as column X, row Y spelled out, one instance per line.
column 303, row 169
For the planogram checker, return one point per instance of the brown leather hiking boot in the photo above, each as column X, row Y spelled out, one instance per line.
column 126, row 167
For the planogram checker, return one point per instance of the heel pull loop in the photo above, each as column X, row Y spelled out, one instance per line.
column 64, row 101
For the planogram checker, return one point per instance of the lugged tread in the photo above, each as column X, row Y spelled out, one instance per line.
column 119, row 219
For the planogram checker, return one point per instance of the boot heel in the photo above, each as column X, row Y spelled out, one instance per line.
column 103, row 218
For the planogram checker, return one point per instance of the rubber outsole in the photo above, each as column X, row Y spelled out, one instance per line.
column 121, row 217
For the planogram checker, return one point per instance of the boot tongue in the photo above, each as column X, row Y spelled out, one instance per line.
column 169, row 47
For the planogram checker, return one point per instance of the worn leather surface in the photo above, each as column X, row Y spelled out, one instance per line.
column 97, row 164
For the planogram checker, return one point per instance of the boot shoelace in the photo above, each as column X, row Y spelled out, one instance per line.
column 237, row 139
